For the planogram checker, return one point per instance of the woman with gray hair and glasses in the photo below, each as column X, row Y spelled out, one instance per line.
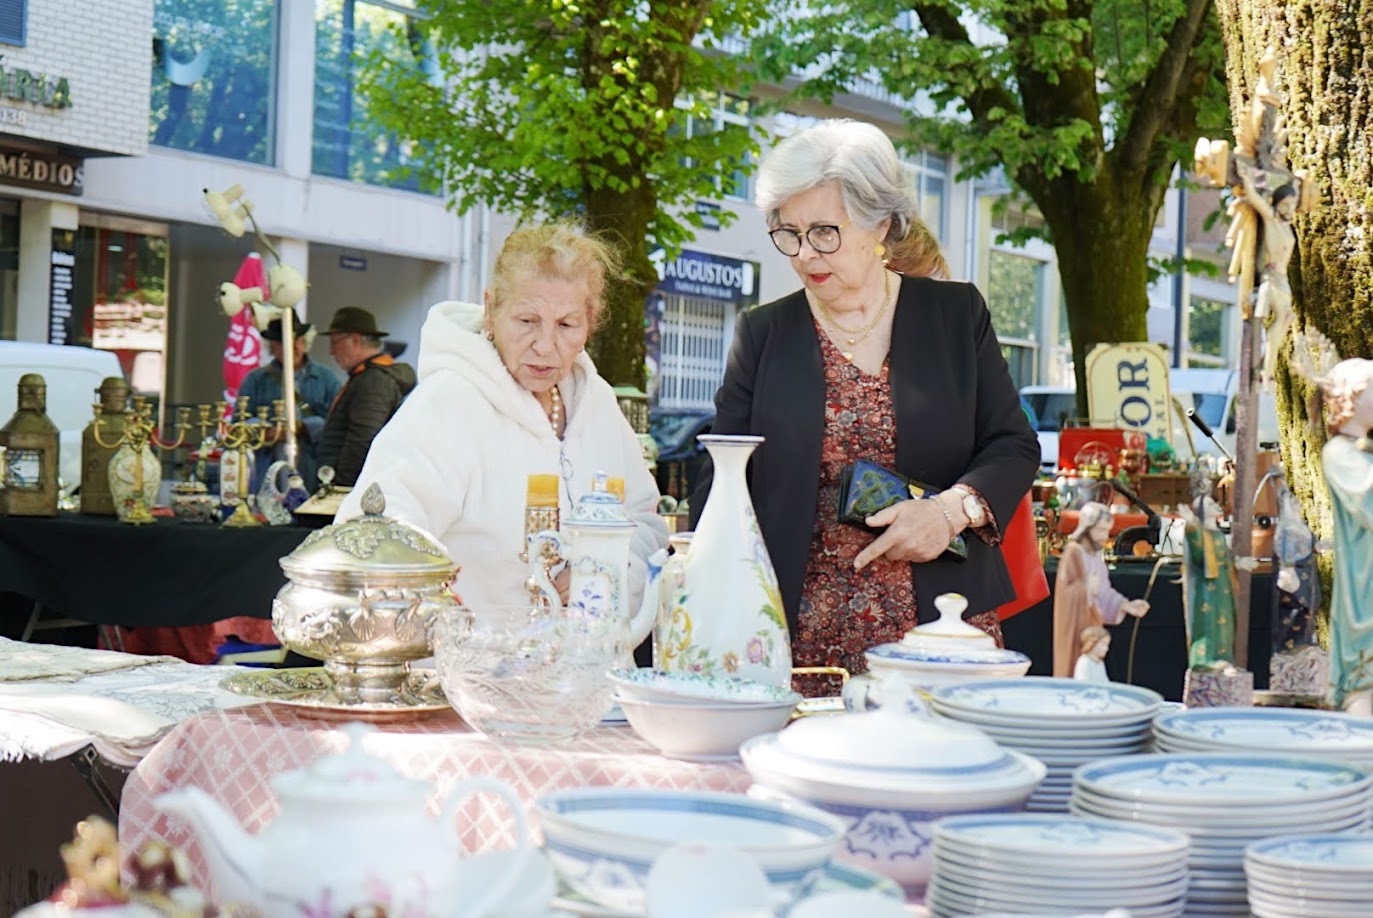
column 874, row 358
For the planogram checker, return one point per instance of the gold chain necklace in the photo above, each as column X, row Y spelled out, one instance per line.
column 854, row 336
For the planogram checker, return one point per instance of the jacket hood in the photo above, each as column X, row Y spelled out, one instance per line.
column 452, row 341
column 402, row 373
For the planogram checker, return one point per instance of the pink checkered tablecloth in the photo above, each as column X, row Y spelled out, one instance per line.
column 233, row 754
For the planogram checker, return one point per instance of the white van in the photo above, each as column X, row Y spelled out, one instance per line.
column 73, row 375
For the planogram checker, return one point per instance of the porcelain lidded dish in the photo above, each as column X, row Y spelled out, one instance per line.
column 362, row 596
column 949, row 631
column 890, row 773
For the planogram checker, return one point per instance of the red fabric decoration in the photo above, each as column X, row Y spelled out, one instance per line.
column 1020, row 548
column 243, row 346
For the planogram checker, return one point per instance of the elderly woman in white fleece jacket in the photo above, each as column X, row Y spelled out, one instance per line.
column 507, row 391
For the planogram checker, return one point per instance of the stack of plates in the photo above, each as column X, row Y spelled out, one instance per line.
column 1062, row 722
column 1310, row 734
column 1055, row 865
column 1311, row 876
column 1224, row 801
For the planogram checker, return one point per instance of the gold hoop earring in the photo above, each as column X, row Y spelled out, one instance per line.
column 880, row 249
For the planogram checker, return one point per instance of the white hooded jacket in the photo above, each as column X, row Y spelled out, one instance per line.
column 455, row 459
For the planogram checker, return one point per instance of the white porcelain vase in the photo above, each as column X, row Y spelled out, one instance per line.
column 724, row 611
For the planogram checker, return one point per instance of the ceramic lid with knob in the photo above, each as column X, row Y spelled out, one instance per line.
column 350, row 775
column 899, row 749
column 372, row 550
column 949, row 630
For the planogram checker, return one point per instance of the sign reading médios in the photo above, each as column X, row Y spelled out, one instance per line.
column 36, row 166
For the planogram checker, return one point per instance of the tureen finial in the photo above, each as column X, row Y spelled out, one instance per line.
column 373, row 503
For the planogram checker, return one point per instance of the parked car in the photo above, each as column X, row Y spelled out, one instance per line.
column 679, row 455
column 73, row 375
column 1211, row 392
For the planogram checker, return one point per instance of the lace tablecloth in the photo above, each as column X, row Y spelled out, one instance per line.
column 233, row 754
column 55, row 701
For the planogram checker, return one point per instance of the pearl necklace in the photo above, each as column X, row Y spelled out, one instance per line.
column 854, row 336
column 555, row 413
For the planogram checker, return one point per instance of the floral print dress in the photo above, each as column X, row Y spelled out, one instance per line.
column 844, row 612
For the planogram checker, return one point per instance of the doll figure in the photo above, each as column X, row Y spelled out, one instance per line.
column 1348, row 463
column 1091, row 665
column 1208, row 574
column 1083, row 594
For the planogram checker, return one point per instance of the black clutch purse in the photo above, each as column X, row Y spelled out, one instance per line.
column 866, row 487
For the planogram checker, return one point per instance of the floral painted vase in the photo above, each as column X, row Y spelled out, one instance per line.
column 135, row 476
column 722, row 610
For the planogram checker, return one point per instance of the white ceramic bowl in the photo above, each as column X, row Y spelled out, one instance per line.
column 705, row 732
column 603, row 840
column 651, row 685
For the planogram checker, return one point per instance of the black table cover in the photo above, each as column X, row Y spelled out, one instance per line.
column 96, row 569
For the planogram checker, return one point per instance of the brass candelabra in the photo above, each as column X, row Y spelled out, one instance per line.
column 242, row 433
column 140, row 438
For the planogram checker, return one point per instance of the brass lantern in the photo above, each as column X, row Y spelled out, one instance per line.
column 30, row 443
column 95, row 458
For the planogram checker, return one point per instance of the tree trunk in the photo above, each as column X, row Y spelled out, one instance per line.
column 623, row 218
column 1326, row 75
column 1105, row 280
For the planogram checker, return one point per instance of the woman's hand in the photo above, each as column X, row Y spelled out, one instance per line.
column 917, row 530
column 563, row 584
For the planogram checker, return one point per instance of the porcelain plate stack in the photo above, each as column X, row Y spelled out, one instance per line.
column 1224, row 802
column 1062, row 722
column 1046, row 864
column 1311, row 876
column 1310, row 734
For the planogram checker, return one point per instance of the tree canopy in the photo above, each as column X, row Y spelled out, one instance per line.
column 599, row 110
column 1086, row 106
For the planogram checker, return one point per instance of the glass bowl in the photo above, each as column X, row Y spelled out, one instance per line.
column 527, row 674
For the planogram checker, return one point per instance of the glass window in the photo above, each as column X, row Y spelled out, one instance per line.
column 347, row 144
column 119, row 302
column 1206, row 330
column 13, row 17
column 731, row 114
column 931, row 177
column 1013, row 291
column 214, row 77
column 1020, row 358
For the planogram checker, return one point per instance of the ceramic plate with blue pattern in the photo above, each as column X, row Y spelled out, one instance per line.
column 1065, row 836
column 1221, row 779
column 1316, row 854
column 1038, row 696
column 992, row 657
column 1270, row 729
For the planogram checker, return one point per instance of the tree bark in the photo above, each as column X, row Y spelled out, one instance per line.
column 623, row 218
column 1326, row 74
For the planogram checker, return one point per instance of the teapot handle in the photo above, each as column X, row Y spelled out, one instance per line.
column 495, row 890
column 545, row 549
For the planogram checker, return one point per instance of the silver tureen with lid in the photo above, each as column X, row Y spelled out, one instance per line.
column 362, row 596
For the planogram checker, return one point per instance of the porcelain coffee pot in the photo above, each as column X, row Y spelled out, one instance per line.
column 594, row 541
column 352, row 836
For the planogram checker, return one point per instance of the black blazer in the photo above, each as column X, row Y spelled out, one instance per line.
column 958, row 419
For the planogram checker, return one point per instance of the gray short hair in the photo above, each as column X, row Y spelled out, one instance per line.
column 873, row 183
column 859, row 157
column 1089, row 515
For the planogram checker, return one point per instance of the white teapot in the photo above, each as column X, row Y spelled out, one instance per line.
column 352, row 834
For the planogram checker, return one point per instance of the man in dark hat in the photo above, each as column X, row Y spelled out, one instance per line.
column 375, row 387
column 316, row 388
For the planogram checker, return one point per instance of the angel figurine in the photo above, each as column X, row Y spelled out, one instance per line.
column 1091, row 665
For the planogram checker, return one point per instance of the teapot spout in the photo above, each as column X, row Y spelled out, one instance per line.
column 233, row 856
column 643, row 623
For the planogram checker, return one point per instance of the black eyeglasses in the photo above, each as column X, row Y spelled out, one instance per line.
column 823, row 237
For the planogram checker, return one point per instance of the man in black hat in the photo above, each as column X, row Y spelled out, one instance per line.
column 375, row 387
column 316, row 388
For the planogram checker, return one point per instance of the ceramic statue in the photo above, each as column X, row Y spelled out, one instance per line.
column 1091, row 665
column 1298, row 665
column 1208, row 588
column 352, row 837
column 724, row 613
column 271, row 500
column 1083, row 595
column 1348, row 462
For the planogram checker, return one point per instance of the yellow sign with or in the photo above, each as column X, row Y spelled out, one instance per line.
column 1128, row 383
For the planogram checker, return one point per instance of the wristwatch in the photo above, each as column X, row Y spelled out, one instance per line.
column 972, row 508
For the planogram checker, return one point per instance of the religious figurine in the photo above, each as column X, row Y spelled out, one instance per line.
column 1298, row 665
column 1091, row 665
column 1208, row 574
column 1083, row 594
column 1273, row 305
column 1348, row 462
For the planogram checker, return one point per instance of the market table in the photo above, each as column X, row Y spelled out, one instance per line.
column 233, row 754
column 1161, row 648
column 171, row 572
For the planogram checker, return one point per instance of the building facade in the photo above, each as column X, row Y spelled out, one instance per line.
column 112, row 127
